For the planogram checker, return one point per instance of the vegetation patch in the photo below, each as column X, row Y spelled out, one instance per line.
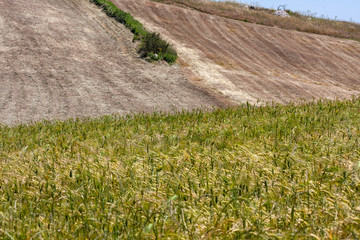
column 270, row 172
column 153, row 47
column 156, row 48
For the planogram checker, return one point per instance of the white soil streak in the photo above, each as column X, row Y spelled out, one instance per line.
column 212, row 76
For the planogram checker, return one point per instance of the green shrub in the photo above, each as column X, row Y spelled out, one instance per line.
column 152, row 47
column 170, row 56
column 152, row 43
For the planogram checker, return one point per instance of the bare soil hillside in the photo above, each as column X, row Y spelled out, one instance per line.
column 62, row 59
column 248, row 62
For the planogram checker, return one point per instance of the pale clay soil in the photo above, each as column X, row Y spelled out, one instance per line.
column 64, row 59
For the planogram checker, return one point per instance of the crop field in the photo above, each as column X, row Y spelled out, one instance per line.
column 269, row 172
column 179, row 158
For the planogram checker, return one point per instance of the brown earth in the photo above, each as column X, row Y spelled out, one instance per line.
column 264, row 16
column 62, row 59
column 248, row 62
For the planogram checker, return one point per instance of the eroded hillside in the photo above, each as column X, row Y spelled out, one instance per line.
column 62, row 59
column 248, row 62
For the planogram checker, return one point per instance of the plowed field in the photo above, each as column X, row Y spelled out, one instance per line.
column 61, row 59
column 248, row 62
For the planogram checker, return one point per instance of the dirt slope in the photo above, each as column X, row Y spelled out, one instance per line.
column 66, row 58
column 248, row 62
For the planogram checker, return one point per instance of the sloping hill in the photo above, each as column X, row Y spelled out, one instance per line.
column 63, row 59
column 249, row 62
column 66, row 58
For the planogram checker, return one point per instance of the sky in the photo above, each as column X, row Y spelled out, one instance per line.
column 348, row 10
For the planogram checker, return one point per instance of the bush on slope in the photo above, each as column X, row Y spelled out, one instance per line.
column 153, row 47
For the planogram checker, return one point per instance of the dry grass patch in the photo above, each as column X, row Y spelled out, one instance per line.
column 264, row 16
